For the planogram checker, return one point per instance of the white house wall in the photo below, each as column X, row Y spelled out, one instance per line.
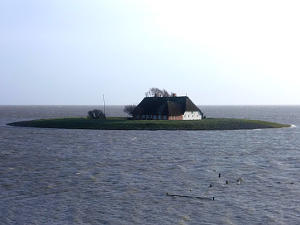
column 194, row 115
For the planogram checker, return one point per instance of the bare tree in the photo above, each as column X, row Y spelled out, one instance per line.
column 96, row 114
column 129, row 109
column 156, row 92
column 165, row 93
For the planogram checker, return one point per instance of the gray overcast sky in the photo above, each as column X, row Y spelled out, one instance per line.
column 218, row 52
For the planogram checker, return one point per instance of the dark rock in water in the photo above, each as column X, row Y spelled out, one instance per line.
column 239, row 180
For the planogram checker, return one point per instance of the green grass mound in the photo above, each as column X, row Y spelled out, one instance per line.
column 119, row 123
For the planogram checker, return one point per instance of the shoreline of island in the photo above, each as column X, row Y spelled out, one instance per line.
column 123, row 123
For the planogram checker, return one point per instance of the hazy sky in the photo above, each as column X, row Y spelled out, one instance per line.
column 218, row 52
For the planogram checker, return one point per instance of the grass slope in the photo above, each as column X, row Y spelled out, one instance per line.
column 119, row 123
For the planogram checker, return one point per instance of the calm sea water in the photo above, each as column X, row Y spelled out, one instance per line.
column 57, row 176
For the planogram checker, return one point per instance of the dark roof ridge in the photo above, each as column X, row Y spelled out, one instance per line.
column 152, row 97
column 167, row 96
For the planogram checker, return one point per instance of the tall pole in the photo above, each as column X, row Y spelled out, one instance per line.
column 103, row 104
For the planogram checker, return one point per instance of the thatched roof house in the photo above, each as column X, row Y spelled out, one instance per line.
column 167, row 108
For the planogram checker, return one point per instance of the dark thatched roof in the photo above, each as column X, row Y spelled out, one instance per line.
column 171, row 106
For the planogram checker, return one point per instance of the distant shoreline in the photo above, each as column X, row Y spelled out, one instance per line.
column 122, row 123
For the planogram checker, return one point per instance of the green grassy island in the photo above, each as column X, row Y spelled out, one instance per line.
column 122, row 123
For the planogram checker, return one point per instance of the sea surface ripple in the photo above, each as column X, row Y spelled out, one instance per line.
column 59, row 176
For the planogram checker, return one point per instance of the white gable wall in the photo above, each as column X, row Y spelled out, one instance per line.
column 192, row 115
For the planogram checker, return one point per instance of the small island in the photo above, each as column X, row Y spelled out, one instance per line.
column 159, row 110
column 123, row 123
